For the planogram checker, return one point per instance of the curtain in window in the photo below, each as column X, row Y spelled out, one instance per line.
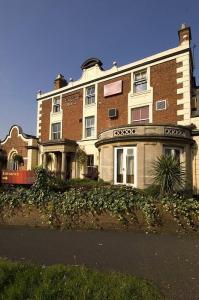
column 140, row 114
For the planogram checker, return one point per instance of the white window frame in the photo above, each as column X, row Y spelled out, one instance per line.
column 88, row 127
column 11, row 163
column 52, row 133
column 142, row 80
column 56, row 105
column 140, row 120
column 90, row 166
column 124, row 166
column 158, row 101
column 89, row 96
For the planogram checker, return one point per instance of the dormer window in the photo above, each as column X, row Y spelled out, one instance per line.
column 90, row 95
column 56, row 104
column 140, row 81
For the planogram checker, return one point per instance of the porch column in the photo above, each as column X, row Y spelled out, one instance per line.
column 45, row 160
column 55, row 163
column 63, row 165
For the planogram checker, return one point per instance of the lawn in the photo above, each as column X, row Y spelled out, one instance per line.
column 29, row 281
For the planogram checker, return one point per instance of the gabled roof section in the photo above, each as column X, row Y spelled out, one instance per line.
column 20, row 133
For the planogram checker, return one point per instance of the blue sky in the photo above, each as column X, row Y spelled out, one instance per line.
column 41, row 38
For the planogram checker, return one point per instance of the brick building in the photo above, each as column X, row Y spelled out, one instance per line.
column 122, row 118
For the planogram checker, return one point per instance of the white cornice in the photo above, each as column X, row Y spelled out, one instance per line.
column 96, row 73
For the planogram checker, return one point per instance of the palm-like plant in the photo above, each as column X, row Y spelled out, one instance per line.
column 169, row 174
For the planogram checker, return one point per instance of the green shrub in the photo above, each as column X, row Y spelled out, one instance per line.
column 65, row 209
column 41, row 191
column 18, row 158
column 152, row 190
column 57, row 282
column 73, row 183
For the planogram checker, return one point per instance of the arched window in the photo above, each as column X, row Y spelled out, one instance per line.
column 12, row 163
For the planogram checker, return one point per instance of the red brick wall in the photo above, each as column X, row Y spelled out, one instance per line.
column 45, row 119
column 119, row 101
column 72, row 105
column 18, row 144
column 163, row 80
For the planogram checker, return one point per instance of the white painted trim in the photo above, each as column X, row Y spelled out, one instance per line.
column 185, row 90
column 11, row 152
column 39, row 109
column 10, row 135
column 50, row 131
column 29, row 158
column 111, row 72
column 56, row 117
column 95, row 121
column 141, row 99
column 89, row 111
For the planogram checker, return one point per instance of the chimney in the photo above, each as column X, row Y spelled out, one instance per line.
column 60, row 82
column 184, row 35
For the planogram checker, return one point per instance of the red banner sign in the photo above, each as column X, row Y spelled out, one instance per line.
column 18, row 177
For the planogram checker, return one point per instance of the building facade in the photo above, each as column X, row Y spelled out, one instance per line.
column 122, row 119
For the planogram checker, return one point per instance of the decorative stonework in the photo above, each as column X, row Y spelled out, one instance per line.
column 39, row 109
column 183, row 89
column 174, row 131
column 145, row 132
column 124, row 131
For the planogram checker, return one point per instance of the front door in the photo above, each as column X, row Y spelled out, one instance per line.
column 125, row 166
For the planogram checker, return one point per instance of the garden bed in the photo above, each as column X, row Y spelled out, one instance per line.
column 103, row 207
column 30, row 215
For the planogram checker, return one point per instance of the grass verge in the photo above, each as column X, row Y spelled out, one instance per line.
column 29, row 281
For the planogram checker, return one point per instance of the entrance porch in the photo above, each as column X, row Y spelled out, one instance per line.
column 59, row 158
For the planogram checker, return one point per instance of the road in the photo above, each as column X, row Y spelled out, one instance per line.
column 171, row 261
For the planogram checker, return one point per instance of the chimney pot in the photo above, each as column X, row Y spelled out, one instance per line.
column 183, row 26
column 184, row 34
column 60, row 82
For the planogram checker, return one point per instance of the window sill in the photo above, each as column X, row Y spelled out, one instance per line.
column 133, row 94
column 54, row 140
column 56, row 113
column 89, row 138
column 89, row 105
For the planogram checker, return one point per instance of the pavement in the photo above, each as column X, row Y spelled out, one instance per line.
column 170, row 261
